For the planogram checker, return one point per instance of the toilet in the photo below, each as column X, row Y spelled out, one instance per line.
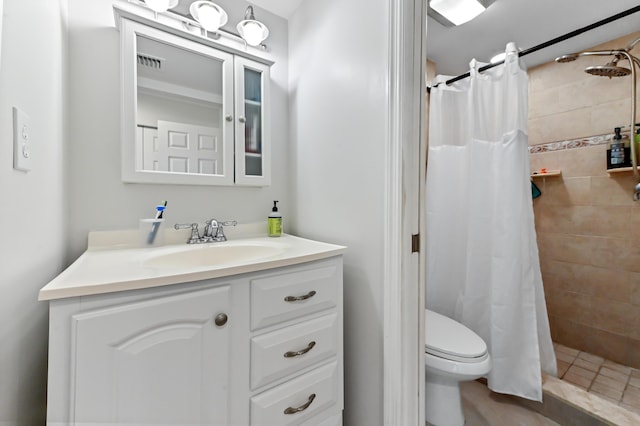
column 454, row 354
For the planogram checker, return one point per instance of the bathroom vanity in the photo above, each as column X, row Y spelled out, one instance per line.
column 245, row 332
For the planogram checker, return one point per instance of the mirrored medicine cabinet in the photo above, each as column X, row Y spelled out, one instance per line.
column 191, row 113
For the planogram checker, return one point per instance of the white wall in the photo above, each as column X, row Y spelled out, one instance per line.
column 339, row 77
column 32, row 214
column 99, row 200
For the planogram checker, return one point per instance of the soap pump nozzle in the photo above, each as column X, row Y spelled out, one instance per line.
column 618, row 136
column 275, row 206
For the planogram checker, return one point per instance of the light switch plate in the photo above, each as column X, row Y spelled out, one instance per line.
column 22, row 144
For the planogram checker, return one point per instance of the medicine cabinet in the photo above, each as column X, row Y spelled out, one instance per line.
column 191, row 113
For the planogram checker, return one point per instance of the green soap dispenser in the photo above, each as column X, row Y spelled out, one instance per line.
column 275, row 221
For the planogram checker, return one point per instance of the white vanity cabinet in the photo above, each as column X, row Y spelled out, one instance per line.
column 260, row 348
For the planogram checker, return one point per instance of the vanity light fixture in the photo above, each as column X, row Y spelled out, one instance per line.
column 252, row 31
column 208, row 14
column 211, row 17
column 456, row 12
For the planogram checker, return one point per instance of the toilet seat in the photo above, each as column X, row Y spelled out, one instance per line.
column 448, row 339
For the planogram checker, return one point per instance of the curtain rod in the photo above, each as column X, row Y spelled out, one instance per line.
column 550, row 42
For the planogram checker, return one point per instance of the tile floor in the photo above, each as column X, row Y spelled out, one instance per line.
column 609, row 380
column 482, row 407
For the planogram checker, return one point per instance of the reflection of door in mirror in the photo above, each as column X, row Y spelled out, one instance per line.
column 179, row 110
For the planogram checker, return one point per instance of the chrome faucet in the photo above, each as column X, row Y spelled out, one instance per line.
column 213, row 231
column 195, row 235
column 212, row 224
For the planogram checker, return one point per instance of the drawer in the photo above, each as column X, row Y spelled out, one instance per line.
column 283, row 297
column 304, row 345
column 303, row 397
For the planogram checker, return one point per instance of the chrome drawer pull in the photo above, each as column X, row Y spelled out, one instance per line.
column 297, row 298
column 303, row 407
column 292, row 354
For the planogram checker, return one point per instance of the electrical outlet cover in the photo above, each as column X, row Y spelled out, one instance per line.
column 22, row 144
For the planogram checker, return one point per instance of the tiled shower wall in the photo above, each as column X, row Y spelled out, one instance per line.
column 587, row 224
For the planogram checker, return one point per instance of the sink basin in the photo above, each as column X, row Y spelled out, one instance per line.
column 213, row 255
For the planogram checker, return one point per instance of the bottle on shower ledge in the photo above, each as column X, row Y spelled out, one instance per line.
column 616, row 154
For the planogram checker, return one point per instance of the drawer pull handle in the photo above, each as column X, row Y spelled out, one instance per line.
column 292, row 354
column 303, row 407
column 298, row 298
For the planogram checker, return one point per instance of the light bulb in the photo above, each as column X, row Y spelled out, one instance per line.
column 252, row 33
column 209, row 17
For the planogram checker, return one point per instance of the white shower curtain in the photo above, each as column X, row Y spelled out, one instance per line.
column 482, row 257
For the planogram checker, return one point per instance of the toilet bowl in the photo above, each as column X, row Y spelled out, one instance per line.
column 454, row 354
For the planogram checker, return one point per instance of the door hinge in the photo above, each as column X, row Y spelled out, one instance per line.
column 415, row 243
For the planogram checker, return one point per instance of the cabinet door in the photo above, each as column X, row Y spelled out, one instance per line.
column 162, row 361
column 253, row 150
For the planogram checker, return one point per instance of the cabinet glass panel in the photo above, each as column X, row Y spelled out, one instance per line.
column 253, row 124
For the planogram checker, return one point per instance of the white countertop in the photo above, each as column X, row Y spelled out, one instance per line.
column 119, row 267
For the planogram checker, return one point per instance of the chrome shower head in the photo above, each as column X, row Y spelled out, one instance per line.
column 567, row 58
column 609, row 70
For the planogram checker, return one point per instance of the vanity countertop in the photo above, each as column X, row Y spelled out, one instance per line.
column 106, row 269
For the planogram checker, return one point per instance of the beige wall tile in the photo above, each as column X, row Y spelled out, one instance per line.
column 611, row 316
column 634, row 284
column 601, row 221
column 608, row 345
column 561, row 126
column 590, row 161
column 604, row 117
column 566, row 191
column 633, row 355
column 567, row 248
column 571, row 334
column 616, row 190
column 572, row 306
column 615, row 253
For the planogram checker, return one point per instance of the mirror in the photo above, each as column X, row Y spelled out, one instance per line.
column 177, row 109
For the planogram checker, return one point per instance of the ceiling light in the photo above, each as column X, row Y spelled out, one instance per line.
column 498, row 57
column 252, row 31
column 160, row 6
column 208, row 14
column 458, row 11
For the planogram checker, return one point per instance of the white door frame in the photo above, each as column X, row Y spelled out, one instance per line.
column 403, row 292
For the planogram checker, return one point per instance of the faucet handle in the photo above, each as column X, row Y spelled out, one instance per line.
column 228, row 223
column 219, row 236
column 195, row 235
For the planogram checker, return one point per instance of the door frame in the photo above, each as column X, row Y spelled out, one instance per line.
column 403, row 377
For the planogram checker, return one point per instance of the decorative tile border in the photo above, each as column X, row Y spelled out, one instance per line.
column 572, row 144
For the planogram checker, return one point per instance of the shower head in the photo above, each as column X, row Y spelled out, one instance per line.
column 567, row 58
column 609, row 70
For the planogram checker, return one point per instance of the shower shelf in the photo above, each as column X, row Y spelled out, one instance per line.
column 548, row 173
column 621, row 169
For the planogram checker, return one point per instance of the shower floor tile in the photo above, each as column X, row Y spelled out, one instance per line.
column 614, row 382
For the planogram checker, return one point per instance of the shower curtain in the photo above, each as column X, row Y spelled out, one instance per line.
column 482, row 257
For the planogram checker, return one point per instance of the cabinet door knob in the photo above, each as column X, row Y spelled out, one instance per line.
column 292, row 354
column 242, row 119
column 303, row 407
column 221, row 319
column 229, row 117
column 298, row 298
